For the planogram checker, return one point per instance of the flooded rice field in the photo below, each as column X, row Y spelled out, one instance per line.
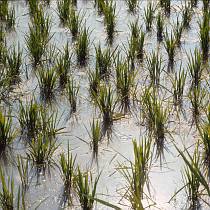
column 104, row 104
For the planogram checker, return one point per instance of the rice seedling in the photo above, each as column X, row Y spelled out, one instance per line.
column 125, row 82
column 39, row 36
column 154, row 65
column 204, row 131
column 149, row 16
column 95, row 135
column 7, row 192
column 103, row 60
column 156, row 116
column 3, row 9
column 23, row 170
column 186, row 15
column 63, row 64
column 204, row 35
column 7, row 133
column 86, row 189
column 132, row 5
column 68, row 174
column 134, row 28
column 72, row 94
column 49, row 123
column 166, row 5
column 14, row 62
column 100, row 5
column 178, row 84
column 106, row 103
column 131, row 52
column 82, row 46
column 140, row 45
column 47, row 79
column 170, row 46
column 160, row 26
column 94, row 82
column 109, row 11
column 74, row 21
column 194, row 67
column 10, row 19
column 197, row 96
column 64, row 9
column 177, row 30
column 33, row 6
column 29, row 118
column 41, row 151
column 7, row 15
column 197, row 184
column 136, row 174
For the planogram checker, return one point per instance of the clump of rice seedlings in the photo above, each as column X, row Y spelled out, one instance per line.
column 103, row 60
column 195, row 67
column 186, row 15
column 204, row 35
column 68, row 174
column 7, row 15
column 74, row 22
column 82, row 46
column 14, row 62
column 106, row 103
column 86, row 189
column 63, row 63
column 95, row 135
column 156, row 116
column 136, row 174
column 33, row 6
column 197, row 96
column 7, row 192
column 131, row 52
column 47, row 79
column 49, row 123
column 134, row 28
column 7, row 134
column 177, row 30
column 132, row 5
column 170, row 46
column 64, row 9
column 149, row 15
column 39, row 36
column 191, row 182
column 204, row 131
column 166, row 5
column 3, row 48
column 196, row 183
column 109, row 11
column 178, row 84
column 100, row 5
column 72, row 94
column 29, row 118
column 140, row 45
column 154, row 65
column 94, row 82
column 160, row 26
column 41, row 151
column 23, row 170
column 125, row 82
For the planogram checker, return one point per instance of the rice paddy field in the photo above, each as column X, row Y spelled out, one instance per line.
column 104, row 104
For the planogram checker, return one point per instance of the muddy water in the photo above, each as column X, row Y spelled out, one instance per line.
column 165, row 180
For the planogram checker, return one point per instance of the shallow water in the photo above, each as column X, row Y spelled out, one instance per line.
column 164, row 180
